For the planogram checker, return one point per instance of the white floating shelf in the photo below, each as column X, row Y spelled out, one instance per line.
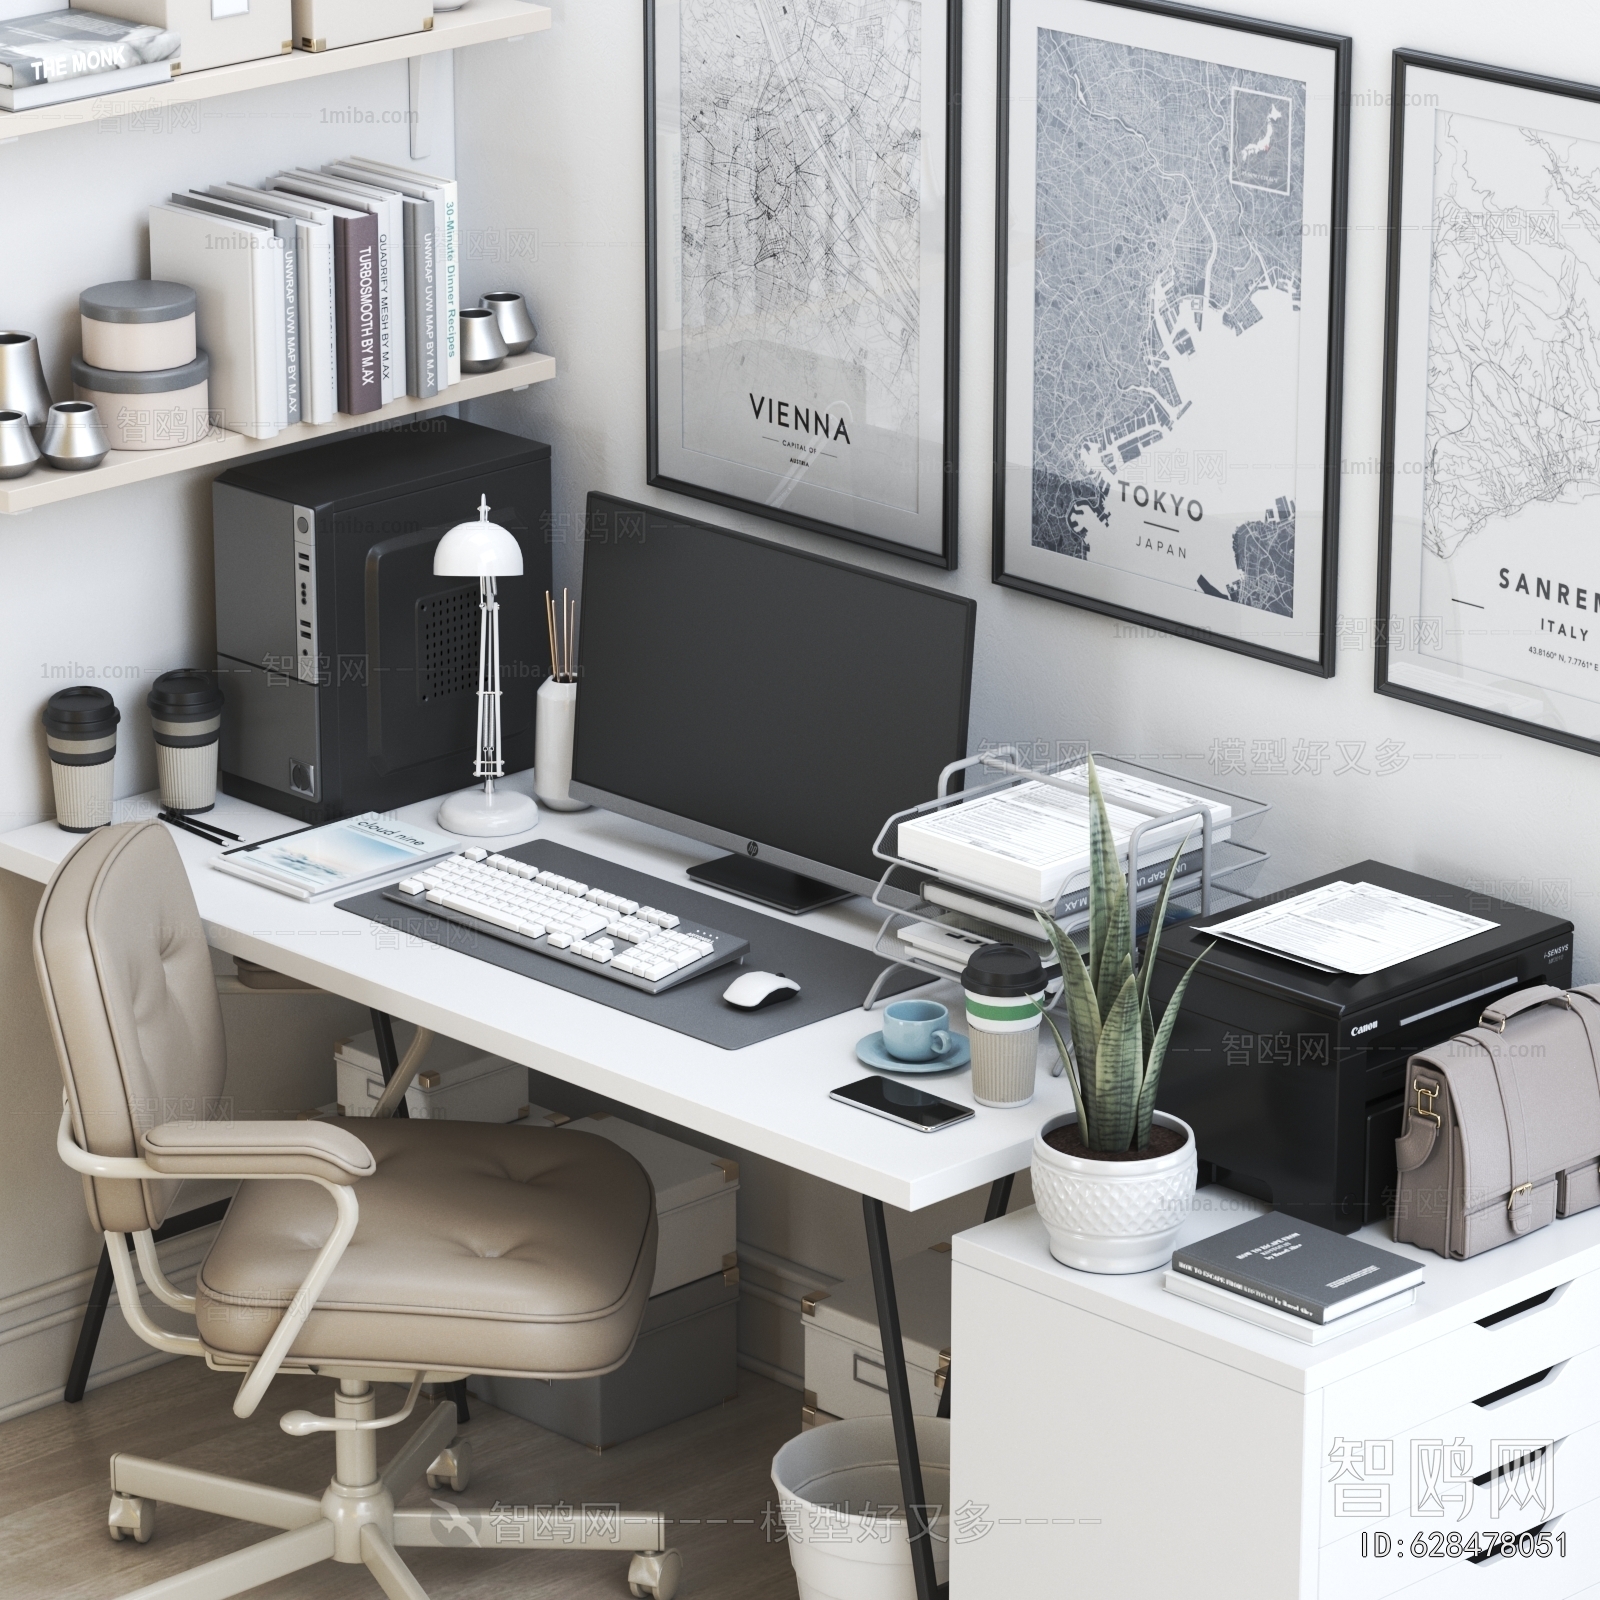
column 44, row 485
column 482, row 22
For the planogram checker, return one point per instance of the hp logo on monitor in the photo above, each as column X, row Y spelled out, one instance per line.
column 752, row 849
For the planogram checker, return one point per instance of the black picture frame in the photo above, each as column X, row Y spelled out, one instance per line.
column 944, row 554
column 1322, row 663
column 1392, row 626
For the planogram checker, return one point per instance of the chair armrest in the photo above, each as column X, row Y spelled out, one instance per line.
column 258, row 1149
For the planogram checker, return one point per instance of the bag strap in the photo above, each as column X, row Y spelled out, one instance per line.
column 1519, row 1203
column 1584, row 1014
column 1497, row 1015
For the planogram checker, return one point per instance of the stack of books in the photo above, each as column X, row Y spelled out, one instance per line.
column 320, row 292
column 1294, row 1277
column 57, row 55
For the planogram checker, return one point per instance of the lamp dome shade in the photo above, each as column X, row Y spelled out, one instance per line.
column 481, row 549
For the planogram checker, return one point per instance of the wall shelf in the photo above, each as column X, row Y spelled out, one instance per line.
column 45, row 486
column 482, row 22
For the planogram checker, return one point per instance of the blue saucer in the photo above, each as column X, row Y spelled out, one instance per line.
column 871, row 1053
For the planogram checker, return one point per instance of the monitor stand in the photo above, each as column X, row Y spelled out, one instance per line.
column 766, row 884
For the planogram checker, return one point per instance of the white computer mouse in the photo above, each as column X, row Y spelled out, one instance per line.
column 750, row 991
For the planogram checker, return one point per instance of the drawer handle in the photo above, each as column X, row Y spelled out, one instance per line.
column 1532, row 1381
column 1532, row 1303
column 1483, row 1478
column 872, row 1367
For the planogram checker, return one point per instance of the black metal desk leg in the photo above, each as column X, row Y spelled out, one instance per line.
column 94, row 1316
column 918, row 1523
column 388, row 1056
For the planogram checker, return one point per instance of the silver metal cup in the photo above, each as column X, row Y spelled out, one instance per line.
column 75, row 438
column 482, row 348
column 18, row 452
column 22, row 385
column 515, row 323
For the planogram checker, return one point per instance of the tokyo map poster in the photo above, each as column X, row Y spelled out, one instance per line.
column 802, row 170
column 1170, row 264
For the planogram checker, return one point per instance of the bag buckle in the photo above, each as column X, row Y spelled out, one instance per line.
column 1492, row 1019
column 1511, row 1199
column 1430, row 1093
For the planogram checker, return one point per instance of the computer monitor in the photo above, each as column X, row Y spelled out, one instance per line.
column 775, row 703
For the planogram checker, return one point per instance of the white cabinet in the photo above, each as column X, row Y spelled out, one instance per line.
column 1111, row 1438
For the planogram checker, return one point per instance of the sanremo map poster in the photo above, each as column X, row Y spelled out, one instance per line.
column 1493, row 587
column 799, row 193
column 1170, row 285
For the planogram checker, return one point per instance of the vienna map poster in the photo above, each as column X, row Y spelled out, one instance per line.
column 1489, row 589
column 1171, row 244
column 802, row 209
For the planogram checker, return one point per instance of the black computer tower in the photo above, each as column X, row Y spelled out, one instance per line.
column 1294, row 1079
column 350, row 670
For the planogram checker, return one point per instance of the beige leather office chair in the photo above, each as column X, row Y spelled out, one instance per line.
column 364, row 1251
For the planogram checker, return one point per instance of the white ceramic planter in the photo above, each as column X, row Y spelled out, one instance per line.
column 1113, row 1216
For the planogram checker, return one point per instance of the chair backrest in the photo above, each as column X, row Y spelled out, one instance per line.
column 132, row 1002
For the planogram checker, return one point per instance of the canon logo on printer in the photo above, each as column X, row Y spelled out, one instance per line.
column 1365, row 1027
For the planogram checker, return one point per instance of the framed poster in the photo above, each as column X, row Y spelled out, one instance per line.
column 1168, row 343
column 801, row 177
column 1489, row 591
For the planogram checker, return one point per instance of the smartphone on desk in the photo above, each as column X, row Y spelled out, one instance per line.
column 899, row 1102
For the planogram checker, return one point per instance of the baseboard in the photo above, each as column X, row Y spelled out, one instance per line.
column 790, row 1380
column 771, row 1341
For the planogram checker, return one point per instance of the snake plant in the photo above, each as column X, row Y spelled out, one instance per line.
column 1117, row 1048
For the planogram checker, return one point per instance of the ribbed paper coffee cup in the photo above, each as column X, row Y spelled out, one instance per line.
column 80, row 732
column 186, row 717
column 1003, row 984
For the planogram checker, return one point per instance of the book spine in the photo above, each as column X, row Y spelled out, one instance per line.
column 1293, row 1304
column 452, row 285
column 422, row 336
column 293, row 375
column 360, row 389
column 386, row 305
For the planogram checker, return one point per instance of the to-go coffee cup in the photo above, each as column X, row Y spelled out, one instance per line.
column 80, row 731
column 1004, row 985
column 186, row 717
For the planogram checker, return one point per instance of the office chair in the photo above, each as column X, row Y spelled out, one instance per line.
column 363, row 1251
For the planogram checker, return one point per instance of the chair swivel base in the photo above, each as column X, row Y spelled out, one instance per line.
column 357, row 1522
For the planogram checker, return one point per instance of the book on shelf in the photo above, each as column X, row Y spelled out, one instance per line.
column 236, row 270
column 339, row 856
column 1031, row 840
column 1284, row 1322
column 50, row 57
column 422, row 302
column 1297, row 1268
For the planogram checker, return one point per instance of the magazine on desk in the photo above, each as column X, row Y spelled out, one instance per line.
column 337, row 857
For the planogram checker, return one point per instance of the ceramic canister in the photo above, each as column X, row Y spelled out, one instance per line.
column 1004, row 984
column 80, row 730
column 186, row 717
column 142, row 325
column 148, row 410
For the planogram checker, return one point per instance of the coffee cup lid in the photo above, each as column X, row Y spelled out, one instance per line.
column 81, row 712
column 1003, row 971
column 189, row 694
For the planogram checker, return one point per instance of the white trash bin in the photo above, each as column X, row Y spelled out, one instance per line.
column 839, row 1494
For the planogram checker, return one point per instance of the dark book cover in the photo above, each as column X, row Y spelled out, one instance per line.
column 355, row 253
column 1298, row 1267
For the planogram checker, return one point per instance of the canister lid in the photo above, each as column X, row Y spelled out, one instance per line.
column 189, row 694
column 81, row 712
column 1003, row 971
column 171, row 380
column 137, row 300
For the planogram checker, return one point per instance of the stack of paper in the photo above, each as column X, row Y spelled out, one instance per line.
column 337, row 857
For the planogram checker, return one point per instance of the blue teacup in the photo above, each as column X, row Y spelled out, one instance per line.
column 916, row 1030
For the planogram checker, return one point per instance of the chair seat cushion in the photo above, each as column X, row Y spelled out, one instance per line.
column 495, row 1249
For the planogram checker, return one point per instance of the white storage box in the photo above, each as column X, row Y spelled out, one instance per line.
column 697, row 1201
column 455, row 1082
column 332, row 24
column 844, row 1355
column 215, row 33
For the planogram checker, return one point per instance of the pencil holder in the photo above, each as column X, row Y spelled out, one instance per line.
column 186, row 717
column 552, row 745
column 80, row 731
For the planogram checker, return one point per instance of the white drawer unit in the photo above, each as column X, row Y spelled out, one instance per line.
column 697, row 1201
column 455, row 1083
column 844, row 1353
column 1113, row 1438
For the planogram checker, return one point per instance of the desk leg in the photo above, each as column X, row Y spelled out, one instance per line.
column 999, row 1199
column 918, row 1526
column 388, row 1056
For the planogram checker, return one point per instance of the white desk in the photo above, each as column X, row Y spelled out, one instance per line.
column 771, row 1097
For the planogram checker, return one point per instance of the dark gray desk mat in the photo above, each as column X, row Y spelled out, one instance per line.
column 833, row 976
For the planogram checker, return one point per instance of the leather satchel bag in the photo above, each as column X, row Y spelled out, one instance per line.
column 1502, row 1125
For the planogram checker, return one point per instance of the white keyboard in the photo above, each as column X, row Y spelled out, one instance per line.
column 588, row 928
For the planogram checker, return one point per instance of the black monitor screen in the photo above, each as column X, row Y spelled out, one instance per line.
column 762, row 694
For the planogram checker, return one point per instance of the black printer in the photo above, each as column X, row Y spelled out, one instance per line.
column 1293, row 1079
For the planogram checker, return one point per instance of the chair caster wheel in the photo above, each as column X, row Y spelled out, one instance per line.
column 655, row 1575
column 132, row 1517
column 452, row 1467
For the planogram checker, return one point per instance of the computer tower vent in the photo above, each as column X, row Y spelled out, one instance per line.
column 447, row 643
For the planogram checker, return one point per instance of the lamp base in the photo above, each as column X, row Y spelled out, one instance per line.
column 478, row 815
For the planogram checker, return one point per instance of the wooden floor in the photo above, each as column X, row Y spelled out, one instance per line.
column 709, row 1475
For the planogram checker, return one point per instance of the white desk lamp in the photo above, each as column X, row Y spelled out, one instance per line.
column 485, row 551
